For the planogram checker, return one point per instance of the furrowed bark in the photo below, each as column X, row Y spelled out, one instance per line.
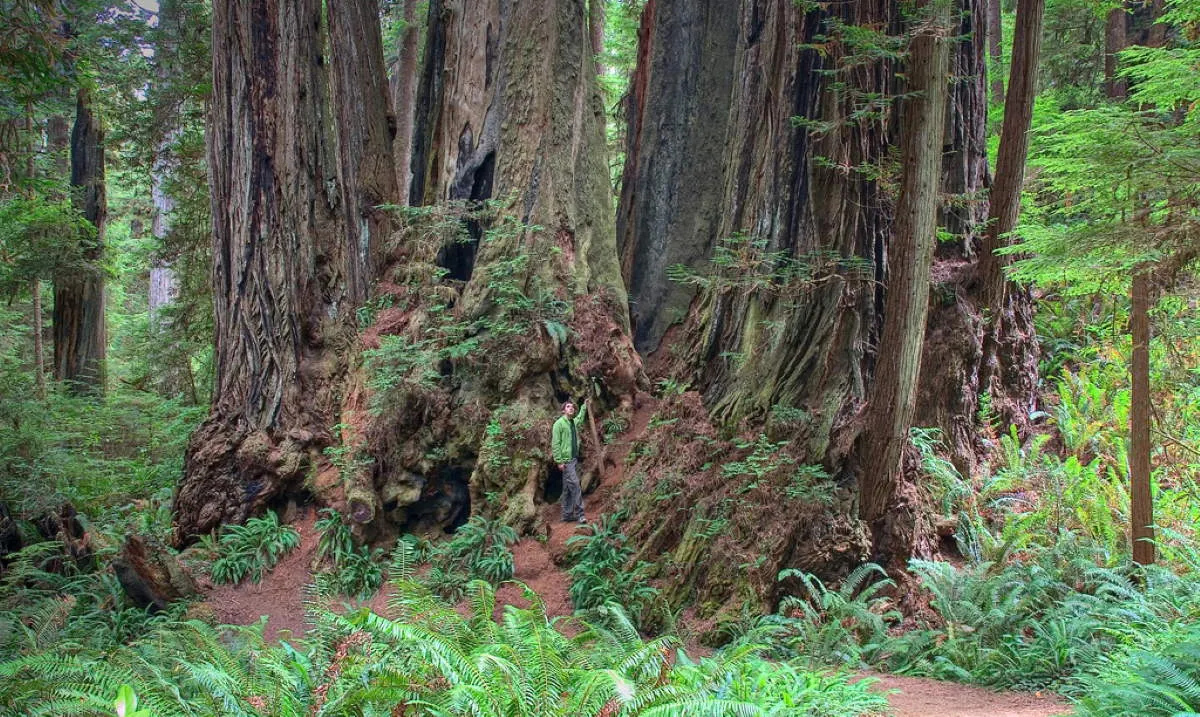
column 365, row 132
column 508, row 110
column 800, row 163
column 283, row 257
column 674, row 173
column 947, row 391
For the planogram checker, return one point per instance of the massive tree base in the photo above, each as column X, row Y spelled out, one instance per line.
column 233, row 475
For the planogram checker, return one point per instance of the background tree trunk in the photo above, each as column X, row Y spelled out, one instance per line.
column 404, row 87
column 892, row 398
column 79, row 332
column 39, row 350
column 995, row 40
column 1115, row 32
column 596, row 12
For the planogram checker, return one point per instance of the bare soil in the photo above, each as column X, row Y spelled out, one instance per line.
column 920, row 697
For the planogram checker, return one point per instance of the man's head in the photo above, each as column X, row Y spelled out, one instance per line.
column 568, row 409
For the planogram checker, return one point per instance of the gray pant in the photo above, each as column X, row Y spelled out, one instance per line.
column 572, row 496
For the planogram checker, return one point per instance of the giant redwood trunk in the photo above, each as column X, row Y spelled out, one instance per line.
column 800, row 341
column 287, row 268
column 788, row 181
column 79, row 332
column 508, row 110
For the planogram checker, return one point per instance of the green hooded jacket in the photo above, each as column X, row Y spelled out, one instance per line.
column 560, row 436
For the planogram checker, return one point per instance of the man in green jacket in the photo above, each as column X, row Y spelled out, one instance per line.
column 564, row 447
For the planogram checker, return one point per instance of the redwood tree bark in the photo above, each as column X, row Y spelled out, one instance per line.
column 948, row 391
column 675, row 168
column 790, row 155
column 509, row 110
column 365, row 132
column 78, row 318
column 891, row 401
column 283, row 257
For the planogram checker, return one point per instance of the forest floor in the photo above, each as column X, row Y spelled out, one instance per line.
column 539, row 564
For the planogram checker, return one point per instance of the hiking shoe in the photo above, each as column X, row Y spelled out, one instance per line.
column 582, row 520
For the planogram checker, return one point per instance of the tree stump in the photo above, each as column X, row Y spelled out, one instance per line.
column 151, row 576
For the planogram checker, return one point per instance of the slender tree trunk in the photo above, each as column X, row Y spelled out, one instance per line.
column 164, row 286
column 39, row 351
column 1115, row 34
column 596, row 19
column 892, row 398
column 947, row 390
column 1006, row 188
column 365, row 132
column 1141, row 500
column 35, row 284
column 995, row 39
column 79, row 331
column 404, row 94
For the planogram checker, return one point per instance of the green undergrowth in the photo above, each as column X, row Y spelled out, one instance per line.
column 250, row 550
column 429, row 658
column 110, row 457
column 601, row 573
column 349, row 568
column 480, row 550
column 1052, row 618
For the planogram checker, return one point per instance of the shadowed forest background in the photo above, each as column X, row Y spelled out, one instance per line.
column 884, row 313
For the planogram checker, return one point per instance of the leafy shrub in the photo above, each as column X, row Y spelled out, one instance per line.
column 353, row 570
column 601, row 574
column 1044, row 621
column 847, row 626
column 251, row 550
column 479, row 550
column 951, row 491
column 1164, row 682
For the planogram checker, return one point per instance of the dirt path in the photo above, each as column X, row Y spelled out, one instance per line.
column 920, row 697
